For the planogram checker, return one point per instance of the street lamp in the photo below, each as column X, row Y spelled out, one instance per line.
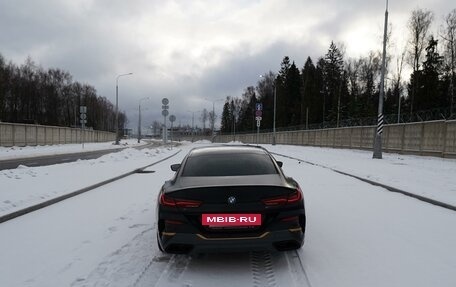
column 117, row 105
column 139, row 118
column 213, row 112
column 378, row 135
column 193, row 122
column 275, row 107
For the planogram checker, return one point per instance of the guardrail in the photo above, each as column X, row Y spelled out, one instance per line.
column 436, row 138
column 33, row 135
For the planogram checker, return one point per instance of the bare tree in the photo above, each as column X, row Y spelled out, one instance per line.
column 212, row 118
column 397, row 85
column 353, row 68
column 204, row 118
column 449, row 36
column 418, row 25
column 156, row 128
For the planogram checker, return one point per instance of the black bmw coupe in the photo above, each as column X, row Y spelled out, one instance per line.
column 229, row 198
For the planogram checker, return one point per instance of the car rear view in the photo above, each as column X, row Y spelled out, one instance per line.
column 230, row 198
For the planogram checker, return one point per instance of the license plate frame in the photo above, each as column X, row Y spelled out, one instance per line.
column 231, row 220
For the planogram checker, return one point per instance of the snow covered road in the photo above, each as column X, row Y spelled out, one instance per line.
column 357, row 235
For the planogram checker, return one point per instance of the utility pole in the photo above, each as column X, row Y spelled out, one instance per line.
column 378, row 136
column 193, row 126
column 165, row 113
column 274, row 85
column 117, row 105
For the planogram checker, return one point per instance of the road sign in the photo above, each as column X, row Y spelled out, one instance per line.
column 83, row 116
column 165, row 101
column 165, row 107
column 258, row 118
column 172, row 118
column 83, row 121
column 165, row 113
column 258, row 113
column 259, row 106
column 83, row 109
column 258, row 123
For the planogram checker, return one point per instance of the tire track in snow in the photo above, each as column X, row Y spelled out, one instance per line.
column 171, row 274
column 133, row 260
column 297, row 269
column 256, row 269
column 262, row 268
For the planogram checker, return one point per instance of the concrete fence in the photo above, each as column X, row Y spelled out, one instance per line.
column 436, row 138
column 33, row 135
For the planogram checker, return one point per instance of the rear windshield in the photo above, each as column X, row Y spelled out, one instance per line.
column 229, row 165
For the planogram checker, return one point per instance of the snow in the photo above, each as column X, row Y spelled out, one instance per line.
column 357, row 234
column 33, row 151
column 430, row 177
column 26, row 186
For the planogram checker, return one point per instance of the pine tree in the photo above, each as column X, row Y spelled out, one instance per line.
column 309, row 91
column 226, row 121
column 320, row 86
column 282, row 95
column 292, row 111
column 247, row 112
column 265, row 90
column 332, row 77
column 429, row 93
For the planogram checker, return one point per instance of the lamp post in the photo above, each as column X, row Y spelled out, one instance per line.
column 274, row 120
column 193, row 123
column 139, row 118
column 213, row 112
column 117, row 105
column 378, row 135
column 275, row 108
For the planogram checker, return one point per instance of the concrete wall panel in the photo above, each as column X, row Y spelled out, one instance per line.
column 424, row 138
column 450, row 140
column 22, row 135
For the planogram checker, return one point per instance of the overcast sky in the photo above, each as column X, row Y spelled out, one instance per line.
column 190, row 51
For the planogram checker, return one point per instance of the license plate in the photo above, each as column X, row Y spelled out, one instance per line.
column 214, row 220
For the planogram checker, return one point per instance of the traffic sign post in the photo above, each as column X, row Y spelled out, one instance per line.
column 83, row 121
column 172, row 118
column 258, row 117
column 165, row 113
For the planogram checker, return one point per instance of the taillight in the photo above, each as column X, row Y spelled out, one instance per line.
column 276, row 200
column 290, row 218
column 294, row 197
column 175, row 202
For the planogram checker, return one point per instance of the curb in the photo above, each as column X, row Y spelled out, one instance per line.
column 55, row 200
column 387, row 187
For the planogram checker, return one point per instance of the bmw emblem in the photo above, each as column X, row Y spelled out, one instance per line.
column 231, row 200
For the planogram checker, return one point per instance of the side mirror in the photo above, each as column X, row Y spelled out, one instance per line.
column 175, row 167
column 279, row 163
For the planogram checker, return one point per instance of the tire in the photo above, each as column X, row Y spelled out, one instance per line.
column 158, row 243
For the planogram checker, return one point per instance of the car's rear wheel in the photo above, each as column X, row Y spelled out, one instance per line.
column 158, row 243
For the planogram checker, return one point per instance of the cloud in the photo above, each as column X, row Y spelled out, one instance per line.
column 189, row 50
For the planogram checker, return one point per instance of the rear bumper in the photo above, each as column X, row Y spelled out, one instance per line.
column 198, row 243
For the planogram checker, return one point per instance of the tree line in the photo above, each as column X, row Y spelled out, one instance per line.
column 336, row 91
column 31, row 94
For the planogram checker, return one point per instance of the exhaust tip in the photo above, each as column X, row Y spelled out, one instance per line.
column 287, row 245
column 179, row 248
